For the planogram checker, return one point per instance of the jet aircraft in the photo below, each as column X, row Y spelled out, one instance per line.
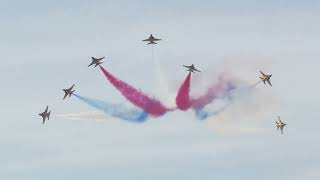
column 280, row 125
column 151, row 39
column 265, row 77
column 96, row 61
column 68, row 92
column 45, row 115
column 191, row 68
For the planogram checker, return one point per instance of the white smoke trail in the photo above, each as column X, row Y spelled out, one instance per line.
column 86, row 116
column 165, row 89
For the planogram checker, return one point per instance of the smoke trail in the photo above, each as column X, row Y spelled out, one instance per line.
column 213, row 92
column 85, row 116
column 184, row 101
column 118, row 111
column 183, row 97
column 162, row 84
column 232, row 94
column 149, row 105
column 202, row 114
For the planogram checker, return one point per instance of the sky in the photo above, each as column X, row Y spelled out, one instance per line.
column 46, row 46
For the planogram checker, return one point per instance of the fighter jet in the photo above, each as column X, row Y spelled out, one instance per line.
column 191, row 68
column 96, row 61
column 265, row 78
column 68, row 92
column 280, row 125
column 45, row 115
column 151, row 39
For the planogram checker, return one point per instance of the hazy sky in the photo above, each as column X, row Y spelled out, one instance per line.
column 46, row 46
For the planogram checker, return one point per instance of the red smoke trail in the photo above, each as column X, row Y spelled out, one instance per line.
column 184, row 101
column 149, row 105
column 213, row 92
column 183, row 97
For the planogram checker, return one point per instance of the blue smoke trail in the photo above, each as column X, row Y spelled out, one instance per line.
column 232, row 94
column 118, row 111
column 202, row 114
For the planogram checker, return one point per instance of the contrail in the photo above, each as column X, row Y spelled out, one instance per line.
column 139, row 99
column 118, row 111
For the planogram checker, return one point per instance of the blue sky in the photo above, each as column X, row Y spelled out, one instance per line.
column 46, row 46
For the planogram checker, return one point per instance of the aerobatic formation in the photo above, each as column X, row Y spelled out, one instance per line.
column 147, row 106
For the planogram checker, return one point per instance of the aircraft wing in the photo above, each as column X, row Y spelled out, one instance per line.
column 91, row 64
column 155, row 39
column 46, row 109
column 263, row 73
column 269, row 83
column 281, row 128
column 196, row 70
column 65, row 95
column 186, row 66
column 146, row 39
column 43, row 117
column 152, row 42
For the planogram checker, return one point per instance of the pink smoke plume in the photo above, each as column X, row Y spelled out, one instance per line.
column 184, row 101
column 213, row 92
column 183, row 97
column 149, row 105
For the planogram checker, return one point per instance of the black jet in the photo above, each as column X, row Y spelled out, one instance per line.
column 45, row 115
column 68, row 92
column 191, row 68
column 96, row 61
column 152, row 40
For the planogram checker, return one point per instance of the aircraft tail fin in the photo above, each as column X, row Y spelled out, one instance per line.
column 152, row 42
